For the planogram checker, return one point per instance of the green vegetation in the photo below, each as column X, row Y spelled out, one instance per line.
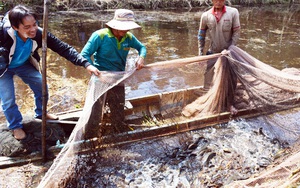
column 130, row 4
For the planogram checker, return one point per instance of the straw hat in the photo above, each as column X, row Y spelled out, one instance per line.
column 123, row 20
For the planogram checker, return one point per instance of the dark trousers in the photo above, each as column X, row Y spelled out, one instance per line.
column 229, row 80
column 115, row 100
column 209, row 73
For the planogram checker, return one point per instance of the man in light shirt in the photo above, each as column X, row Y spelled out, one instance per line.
column 221, row 25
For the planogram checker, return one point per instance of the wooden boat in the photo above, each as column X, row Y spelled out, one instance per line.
column 150, row 116
column 157, row 115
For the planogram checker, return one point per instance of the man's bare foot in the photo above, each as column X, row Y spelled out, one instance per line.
column 49, row 117
column 233, row 110
column 19, row 134
column 52, row 117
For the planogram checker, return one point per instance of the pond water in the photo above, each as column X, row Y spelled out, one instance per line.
column 270, row 35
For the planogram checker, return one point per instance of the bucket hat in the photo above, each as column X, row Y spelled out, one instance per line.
column 123, row 20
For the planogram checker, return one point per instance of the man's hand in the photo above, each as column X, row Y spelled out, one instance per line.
column 140, row 63
column 225, row 52
column 93, row 70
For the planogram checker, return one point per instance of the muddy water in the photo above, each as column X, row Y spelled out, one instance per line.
column 271, row 35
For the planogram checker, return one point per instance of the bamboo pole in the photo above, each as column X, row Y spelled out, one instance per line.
column 184, row 61
column 44, row 75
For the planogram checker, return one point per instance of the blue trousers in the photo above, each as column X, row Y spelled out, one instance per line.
column 33, row 79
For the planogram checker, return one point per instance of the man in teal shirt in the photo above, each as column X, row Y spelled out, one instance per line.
column 109, row 48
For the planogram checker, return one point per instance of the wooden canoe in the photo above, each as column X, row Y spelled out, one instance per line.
column 150, row 116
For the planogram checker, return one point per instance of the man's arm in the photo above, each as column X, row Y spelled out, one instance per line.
column 66, row 51
column 141, row 48
column 202, row 34
column 236, row 27
column 70, row 53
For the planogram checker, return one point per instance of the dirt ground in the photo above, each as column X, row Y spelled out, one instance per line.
column 28, row 175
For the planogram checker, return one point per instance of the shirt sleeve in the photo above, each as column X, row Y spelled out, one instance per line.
column 91, row 47
column 140, row 47
column 202, row 32
column 236, row 27
column 66, row 51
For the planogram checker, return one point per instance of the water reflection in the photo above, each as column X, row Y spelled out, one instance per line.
column 275, row 40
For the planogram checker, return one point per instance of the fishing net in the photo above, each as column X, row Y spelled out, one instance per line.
column 260, row 86
column 239, row 81
column 66, row 163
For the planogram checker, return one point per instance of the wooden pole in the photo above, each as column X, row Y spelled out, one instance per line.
column 44, row 76
column 184, row 61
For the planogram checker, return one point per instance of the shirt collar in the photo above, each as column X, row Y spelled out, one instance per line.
column 111, row 35
column 223, row 10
